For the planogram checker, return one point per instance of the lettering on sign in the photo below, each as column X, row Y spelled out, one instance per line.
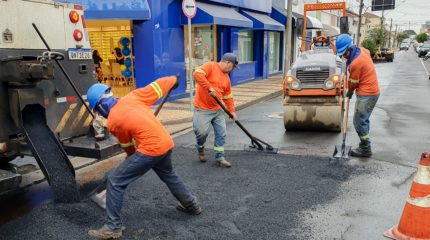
column 189, row 7
column 313, row 69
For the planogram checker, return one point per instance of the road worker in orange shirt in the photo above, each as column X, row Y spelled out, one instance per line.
column 364, row 81
column 148, row 146
column 213, row 80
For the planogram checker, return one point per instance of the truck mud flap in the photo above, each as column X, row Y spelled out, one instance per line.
column 50, row 155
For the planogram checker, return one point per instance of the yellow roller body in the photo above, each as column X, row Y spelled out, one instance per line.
column 313, row 114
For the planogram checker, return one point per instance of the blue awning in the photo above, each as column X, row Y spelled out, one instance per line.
column 219, row 15
column 262, row 21
column 280, row 15
column 311, row 22
column 114, row 10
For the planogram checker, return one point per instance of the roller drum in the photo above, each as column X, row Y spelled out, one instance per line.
column 313, row 116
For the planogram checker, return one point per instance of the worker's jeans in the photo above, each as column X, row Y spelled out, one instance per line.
column 131, row 169
column 202, row 120
column 363, row 109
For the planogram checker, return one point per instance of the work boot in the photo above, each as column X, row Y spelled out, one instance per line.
column 105, row 233
column 224, row 163
column 361, row 152
column 202, row 156
column 194, row 209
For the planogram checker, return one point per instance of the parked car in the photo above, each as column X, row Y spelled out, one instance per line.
column 417, row 46
column 404, row 46
column 424, row 49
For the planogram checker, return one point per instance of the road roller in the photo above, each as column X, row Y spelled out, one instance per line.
column 313, row 86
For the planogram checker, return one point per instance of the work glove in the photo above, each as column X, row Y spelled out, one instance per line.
column 349, row 94
column 177, row 81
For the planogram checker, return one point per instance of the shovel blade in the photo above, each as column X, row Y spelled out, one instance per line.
column 342, row 152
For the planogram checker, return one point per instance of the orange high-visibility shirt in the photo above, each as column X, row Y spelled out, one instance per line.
column 210, row 76
column 134, row 124
column 363, row 76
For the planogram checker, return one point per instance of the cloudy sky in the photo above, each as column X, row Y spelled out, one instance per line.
column 413, row 12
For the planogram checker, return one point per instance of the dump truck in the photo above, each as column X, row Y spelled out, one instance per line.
column 313, row 86
column 45, row 66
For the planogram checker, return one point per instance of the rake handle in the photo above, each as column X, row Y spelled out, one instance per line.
column 253, row 139
column 162, row 103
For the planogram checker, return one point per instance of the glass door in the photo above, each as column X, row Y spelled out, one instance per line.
column 274, row 52
column 203, row 44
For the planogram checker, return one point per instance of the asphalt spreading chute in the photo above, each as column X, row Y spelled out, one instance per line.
column 50, row 155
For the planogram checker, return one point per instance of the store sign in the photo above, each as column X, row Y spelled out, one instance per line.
column 113, row 9
column 189, row 7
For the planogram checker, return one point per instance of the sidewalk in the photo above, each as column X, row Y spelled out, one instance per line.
column 176, row 116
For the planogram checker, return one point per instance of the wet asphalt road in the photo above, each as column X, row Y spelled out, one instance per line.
column 261, row 199
column 297, row 194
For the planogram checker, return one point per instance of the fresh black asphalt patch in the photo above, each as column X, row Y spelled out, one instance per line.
column 262, row 196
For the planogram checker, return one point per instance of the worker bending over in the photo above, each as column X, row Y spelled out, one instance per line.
column 148, row 146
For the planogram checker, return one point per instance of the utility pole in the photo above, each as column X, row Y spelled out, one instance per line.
column 287, row 36
column 395, row 37
column 389, row 35
column 359, row 22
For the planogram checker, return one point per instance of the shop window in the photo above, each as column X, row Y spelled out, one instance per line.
column 246, row 46
column 113, row 41
column 203, row 47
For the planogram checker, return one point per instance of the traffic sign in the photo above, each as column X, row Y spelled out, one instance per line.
column 189, row 7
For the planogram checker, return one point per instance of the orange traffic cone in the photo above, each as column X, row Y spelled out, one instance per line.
column 415, row 221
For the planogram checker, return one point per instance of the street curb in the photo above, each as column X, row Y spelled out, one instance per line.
column 238, row 107
column 260, row 99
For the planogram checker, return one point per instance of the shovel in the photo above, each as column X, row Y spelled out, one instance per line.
column 343, row 151
column 256, row 144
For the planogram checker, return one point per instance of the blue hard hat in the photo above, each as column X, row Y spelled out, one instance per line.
column 95, row 92
column 343, row 42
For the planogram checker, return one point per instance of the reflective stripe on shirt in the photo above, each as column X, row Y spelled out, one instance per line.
column 353, row 80
column 157, row 89
column 126, row 145
column 228, row 96
column 199, row 70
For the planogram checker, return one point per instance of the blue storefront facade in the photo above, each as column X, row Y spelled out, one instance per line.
column 160, row 36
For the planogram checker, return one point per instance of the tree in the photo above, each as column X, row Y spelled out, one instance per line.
column 421, row 37
column 370, row 45
column 401, row 37
column 380, row 36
